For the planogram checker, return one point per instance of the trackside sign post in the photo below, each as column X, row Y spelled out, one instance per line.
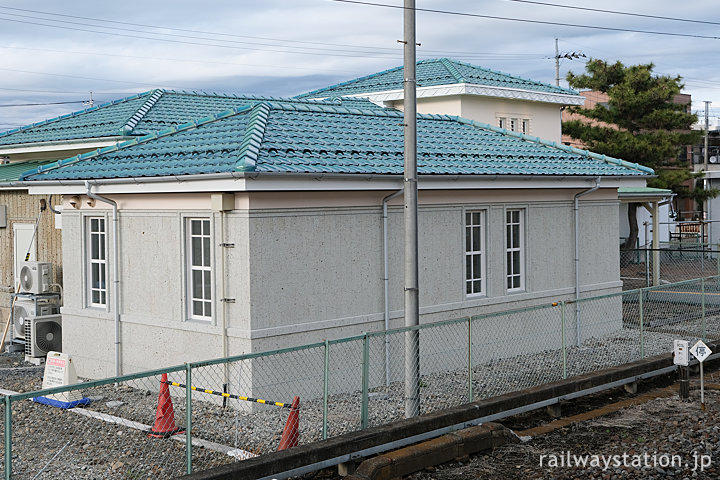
column 701, row 352
column 681, row 358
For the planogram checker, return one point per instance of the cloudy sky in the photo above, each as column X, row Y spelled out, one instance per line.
column 56, row 53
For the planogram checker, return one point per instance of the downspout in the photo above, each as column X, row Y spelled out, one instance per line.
column 386, row 281
column 576, row 210
column 116, row 276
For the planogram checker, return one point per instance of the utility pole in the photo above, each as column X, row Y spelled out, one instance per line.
column 412, row 311
column 706, row 180
column 558, row 56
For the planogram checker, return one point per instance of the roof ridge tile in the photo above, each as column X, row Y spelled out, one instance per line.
column 141, row 112
column 252, row 140
column 73, row 114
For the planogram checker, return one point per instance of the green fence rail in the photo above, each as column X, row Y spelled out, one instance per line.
column 343, row 385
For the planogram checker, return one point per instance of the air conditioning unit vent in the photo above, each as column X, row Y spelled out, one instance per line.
column 43, row 334
column 25, row 308
column 35, row 277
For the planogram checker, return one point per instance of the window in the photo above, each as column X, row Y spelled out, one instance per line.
column 96, row 262
column 502, row 122
column 474, row 252
column 199, row 269
column 525, row 126
column 515, row 249
column 513, row 124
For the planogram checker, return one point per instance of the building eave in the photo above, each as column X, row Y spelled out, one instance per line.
column 255, row 182
column 476, row 90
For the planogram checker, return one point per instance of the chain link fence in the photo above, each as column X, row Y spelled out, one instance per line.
column 676, row 262
column 164, row 423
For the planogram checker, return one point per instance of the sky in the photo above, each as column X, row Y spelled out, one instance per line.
column 55, row 53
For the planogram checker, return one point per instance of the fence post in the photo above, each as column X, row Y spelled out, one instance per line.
column 470, row 367
column 8, row 437
column 326, row 379
column 188, row 418
column 702, row 324
column 562, row 333
column 365, row 381
column 641, row 294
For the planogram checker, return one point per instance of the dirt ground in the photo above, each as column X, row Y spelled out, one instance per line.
column 665, row 437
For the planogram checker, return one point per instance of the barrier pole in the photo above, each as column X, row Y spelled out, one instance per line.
column 188, row 419
column 470, row 368
column 562, row 334
column 365, row 381
column 326, row 379
column 8, row 437
column 642, row 333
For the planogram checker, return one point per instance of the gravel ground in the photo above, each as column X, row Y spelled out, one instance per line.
column 49, row 442
column 664, row 438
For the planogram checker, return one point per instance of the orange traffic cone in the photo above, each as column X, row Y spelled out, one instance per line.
column 165, row 415
column 291, row 435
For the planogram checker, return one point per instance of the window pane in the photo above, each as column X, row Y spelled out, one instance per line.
column 468, row 287
column 477, row 286
column 197, row 285
column 206, row 252
column 468, row 239
column 206, row 275
column 196, row 252
column 95, row 275
column 476, row 239
column 94, row 247
column 197, row 308
column 516, row 236
column 208, row 309
column 103, row 297
column 477, row 269
column 95, row 296
column 206, row 227
column 468, row 267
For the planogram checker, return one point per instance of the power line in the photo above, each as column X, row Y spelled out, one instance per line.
column 40, row 104
column 615, row 12
column 379, row 52
column 523, row 20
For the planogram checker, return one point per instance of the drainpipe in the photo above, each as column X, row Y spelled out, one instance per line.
column 116, row 277
column 386, row 281
column 576, row 210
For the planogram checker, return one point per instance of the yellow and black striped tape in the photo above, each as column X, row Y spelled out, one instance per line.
column 229, row 395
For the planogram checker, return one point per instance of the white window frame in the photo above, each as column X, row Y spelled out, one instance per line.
column 515, row 253
column 502, row 122
column 96, row 296
column 525, row 126
column 202, row 266
column 475, row 251
column 513, row 124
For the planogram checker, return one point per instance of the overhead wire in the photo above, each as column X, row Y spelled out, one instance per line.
column 524, row 20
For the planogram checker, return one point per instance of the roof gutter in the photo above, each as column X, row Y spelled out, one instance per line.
column 116, row 276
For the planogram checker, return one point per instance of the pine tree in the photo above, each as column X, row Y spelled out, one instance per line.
column 640, row 123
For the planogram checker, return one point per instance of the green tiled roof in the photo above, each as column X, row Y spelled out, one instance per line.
column 137, row 115
column 297, row 137
column 10, row 172
column 434, row 72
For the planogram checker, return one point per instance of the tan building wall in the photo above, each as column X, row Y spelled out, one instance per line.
column 25, row 208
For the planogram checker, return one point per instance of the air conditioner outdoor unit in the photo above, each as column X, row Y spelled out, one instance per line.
column 43, row 334
column 25, row 308
column 35, row 277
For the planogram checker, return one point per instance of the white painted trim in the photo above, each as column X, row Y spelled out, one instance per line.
column 62, row 145
column 323, row 182
column 479, row 90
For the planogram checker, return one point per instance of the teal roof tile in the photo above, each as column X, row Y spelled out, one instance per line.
column 286, row 136
column 11, row 172
column 434, row 72
column 140, row 115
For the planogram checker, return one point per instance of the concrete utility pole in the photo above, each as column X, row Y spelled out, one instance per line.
column 706, row 180
column 412, row 310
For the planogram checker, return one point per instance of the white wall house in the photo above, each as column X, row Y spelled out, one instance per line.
column 261, row 227
column 450, row 87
